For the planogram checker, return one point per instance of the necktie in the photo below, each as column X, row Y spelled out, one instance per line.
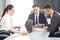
column 36, row 20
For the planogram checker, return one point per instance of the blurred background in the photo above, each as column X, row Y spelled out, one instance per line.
column 24, row 7
column 54, row 3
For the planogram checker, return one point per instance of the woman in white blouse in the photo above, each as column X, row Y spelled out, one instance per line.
column 6, row 21
column 6, row 24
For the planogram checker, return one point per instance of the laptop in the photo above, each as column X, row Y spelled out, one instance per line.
column 29, row 24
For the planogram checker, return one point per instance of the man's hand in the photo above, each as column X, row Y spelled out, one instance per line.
column 46, row 27
column 37, row 25
column 40, row 25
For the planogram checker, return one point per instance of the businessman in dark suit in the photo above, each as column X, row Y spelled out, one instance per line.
column 37, row 17
column 54, row 21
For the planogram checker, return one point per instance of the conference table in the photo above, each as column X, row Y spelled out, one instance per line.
column 36, row 34
column 41, row 34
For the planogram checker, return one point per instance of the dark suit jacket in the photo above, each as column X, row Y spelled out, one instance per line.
column 55, row 23
column 42, row 18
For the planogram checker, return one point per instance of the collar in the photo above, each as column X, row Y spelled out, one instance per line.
column 52, row 13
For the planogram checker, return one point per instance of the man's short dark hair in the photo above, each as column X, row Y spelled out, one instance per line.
column 35, row 5
column 47, row 6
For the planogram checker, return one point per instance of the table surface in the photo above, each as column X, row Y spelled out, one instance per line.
column 36, row 34
column 41, row 34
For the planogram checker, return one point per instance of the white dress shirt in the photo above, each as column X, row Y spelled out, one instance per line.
column 37, row 18
column 6, row 22
column 49, row 19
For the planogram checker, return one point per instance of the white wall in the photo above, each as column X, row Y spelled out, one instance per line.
column 22, row 10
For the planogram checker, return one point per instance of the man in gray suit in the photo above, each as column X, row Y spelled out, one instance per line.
column 54, row 21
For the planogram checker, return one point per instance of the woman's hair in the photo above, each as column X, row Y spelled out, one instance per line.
column 9, row 7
